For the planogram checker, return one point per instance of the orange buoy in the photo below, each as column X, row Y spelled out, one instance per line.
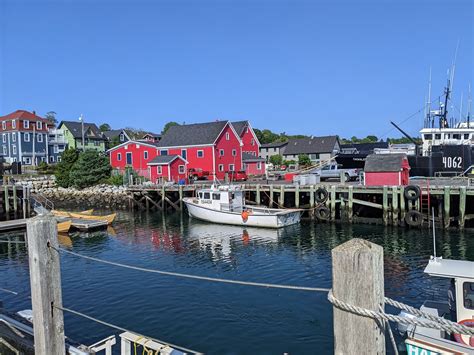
column 245, row 216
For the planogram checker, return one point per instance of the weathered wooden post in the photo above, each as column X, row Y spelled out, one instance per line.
column 333, row 203
column 402, row 205
column 163, row 197
column 297, row 196
column 45, row 281
column 357, row 279
column 282, row 196
column 385, row 205
column 350, row 204
column 7, row 199
column 180, row 197
column 24, row 201
column 257, row 194
column 447, row 200
column 395, row 205
column 270, row 201
column 462, row 206
column 15, row 201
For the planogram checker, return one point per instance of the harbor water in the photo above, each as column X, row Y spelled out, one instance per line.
column 218, row 318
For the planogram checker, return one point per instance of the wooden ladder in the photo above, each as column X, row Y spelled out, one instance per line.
column 425, row 202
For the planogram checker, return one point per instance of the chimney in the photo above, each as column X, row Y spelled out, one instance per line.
column 34, row 112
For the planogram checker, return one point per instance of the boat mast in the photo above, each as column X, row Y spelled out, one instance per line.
column 428, row 105
column 469, row 104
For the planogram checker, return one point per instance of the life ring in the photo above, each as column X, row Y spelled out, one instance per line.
column 245, row 216
column 412, row 192
column 321, row 195
column 413, row 218
column 322, row 213
column 458, row 337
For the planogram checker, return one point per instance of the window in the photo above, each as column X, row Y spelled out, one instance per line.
column 14, row 149
column 468, row 294
column 13, row 137
column 14, row 124
column 119, row 156
column 234, row 152
column 27, row 137
column 227, row 136
column 51, row 159
column 27, row 160
column 58, row 159
column 129, row 158
column 164, row 152
column 145, row 154
column 428, row 136
column 184, row 153
column 122, row 137
column 4, row 125
column 221, row 152
column 247, row 129
column 259, row 165
column 26, row 124
column 181, row 169
column 39, row 125
column 466, row 135
column 437, row 136
column 200, row 153
column 207, row 195
column 456, row 136
column 4, row 150
column 221, row 167
column 216, row 196
column 231, row 167
column 252, row 141
column 40, row 138
column 56, row 149
column 159, row 169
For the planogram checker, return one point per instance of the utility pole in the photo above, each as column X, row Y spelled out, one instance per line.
column 82, row 131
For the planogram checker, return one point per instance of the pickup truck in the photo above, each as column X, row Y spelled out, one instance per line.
column 198, row 174
column 333, row 171
column 238, row 175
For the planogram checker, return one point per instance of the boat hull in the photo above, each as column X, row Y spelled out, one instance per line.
column 256, row 219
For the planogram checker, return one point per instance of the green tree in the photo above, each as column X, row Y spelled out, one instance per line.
column 115, row 141
column 168, row 126
column 90, row 168
column 63, row 168
column 104, row 127
column 276, row 159
column 51, row 117
column 303, row 160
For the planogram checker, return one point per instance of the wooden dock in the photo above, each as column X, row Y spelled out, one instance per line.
column 83, row 225
column 385, row 205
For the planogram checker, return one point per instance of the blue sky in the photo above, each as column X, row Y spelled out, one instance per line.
column 312, row 67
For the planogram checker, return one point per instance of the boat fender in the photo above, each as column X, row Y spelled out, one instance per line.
column 412, row 192
column 413, row 218
column 245, row 216
column 459, row 338
column 321, row 195
column 322, row 213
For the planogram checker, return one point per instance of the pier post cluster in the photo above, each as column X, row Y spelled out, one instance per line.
column 385, row 205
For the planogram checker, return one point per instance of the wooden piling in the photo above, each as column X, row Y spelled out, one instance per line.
column 349, row 203
column 385, row 205
column 180, row 191
column 447, row 201
column 15, row 201
column 282, row 196
column 257, row 194
column 45, row 280
column 297, row 196
column 358, row 280
column 24, row 202
column 402, row 205
column 270, row 200
column 394, row 205
column 462, row 206
column 333, row 203
column 163, row 197
column 6, row 198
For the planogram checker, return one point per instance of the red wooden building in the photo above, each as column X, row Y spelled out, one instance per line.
column 168, row 168
column 252, row 164
column 386, row 170
column 134, row 154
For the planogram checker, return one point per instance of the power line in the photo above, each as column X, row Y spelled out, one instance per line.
column 123, row 329
column 195, row 277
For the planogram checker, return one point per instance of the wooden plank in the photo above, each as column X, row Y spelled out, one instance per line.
column 394, row 205
column 402, row 205
column 153, row 203
column 297, row 196
column 349, row 203
column 180, row 189
column 270, row 194
column 257, row 194
column 385, row 205
column 447, row 205
column 311, row 196
column 462, row 206
column 13, row 224
column 357, row 274
column 175, row 206
column 15, row 199
column 282, row 196
column 333, row 203
column 45, row 280
column 6, row 198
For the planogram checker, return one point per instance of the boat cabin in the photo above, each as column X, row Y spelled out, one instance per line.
column 463, row 274
column 222, row 199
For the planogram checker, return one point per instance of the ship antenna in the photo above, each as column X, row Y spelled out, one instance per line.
column 469, row 104
column 460, row 109
column 434, row 232
column 428, row 103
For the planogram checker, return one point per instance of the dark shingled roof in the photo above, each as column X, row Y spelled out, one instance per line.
column 239, row 126
column 384, row 162
column 113, row 133
column 312, row 145
column 154, row 135
column 250, row 158
column 274, row 145
column 163, row 159
column 192, row 134
column 76, row 129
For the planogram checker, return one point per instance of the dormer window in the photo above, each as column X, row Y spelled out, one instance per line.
column 227, row 136
column 26, row 124
column 39, row 125
column 4, row 125
column 122, row 137
column 14, row 124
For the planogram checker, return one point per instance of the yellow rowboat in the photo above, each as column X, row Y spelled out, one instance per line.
column 64, row 240
column 63, row 227
column 67, row 214
column 109, row 218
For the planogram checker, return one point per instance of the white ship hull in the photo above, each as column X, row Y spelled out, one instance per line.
column 258, row 217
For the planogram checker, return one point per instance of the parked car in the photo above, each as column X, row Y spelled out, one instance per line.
column 333, row 171
column 198, row 174
column 238, row 175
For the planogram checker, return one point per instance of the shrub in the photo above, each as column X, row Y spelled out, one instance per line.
column 303, row 160
column 90, row 168
column 63, row 168
column 116, row 180
column 276, row 159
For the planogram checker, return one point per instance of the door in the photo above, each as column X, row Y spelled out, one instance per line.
column 129, row 158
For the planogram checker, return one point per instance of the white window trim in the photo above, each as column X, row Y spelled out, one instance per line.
column 51, row 159
column 221, row 167
column 159, row 169
column 259, row 165
column 231, row 167
column 234, row 152
column 26, row 137
column 14, row 149
column 227, row 136
column 58, row 159
column 181, row 171
column 197, row 153
column 4, row 150
column 26, row 124
column 145, row 154
column 14, row 124
column 122, row 137
column 13, row 137
column 4, row 138
column 119, row 156
column 40, row 138
column 221, row 152
column 4, row 125
column 39, row 125
column 55, row 149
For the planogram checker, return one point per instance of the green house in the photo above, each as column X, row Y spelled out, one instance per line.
column 74, row 132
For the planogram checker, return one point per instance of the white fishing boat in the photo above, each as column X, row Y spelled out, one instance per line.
column 421, row 340
column 226, row 205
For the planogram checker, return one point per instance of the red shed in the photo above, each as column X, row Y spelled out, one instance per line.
column 168, row 168
column 386, row 169
column 253, row 165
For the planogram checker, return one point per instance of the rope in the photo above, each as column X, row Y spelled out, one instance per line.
column 123, row 329
column 9, row 291
column 195, row 277
column 447, row 326
column 390, row 333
